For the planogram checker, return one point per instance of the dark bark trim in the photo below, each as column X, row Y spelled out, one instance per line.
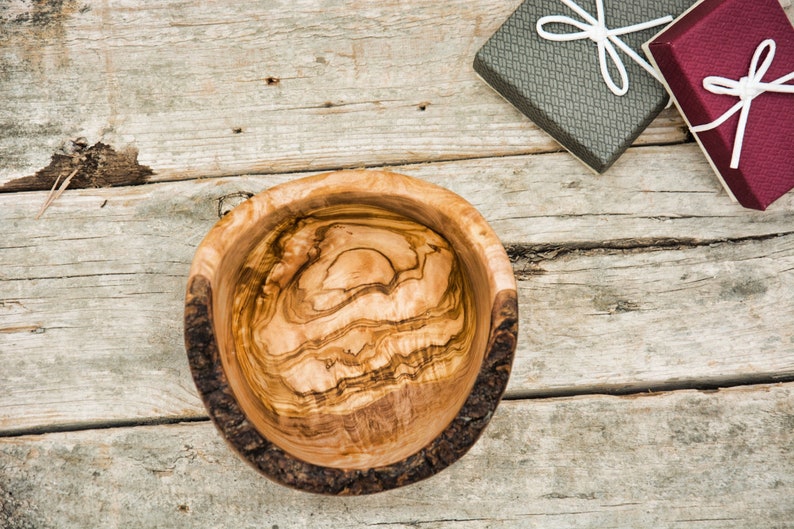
column 278, row 465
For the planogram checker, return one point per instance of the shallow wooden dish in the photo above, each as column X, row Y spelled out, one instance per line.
column 351, row 332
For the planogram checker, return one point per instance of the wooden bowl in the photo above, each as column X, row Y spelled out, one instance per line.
column 351, row 332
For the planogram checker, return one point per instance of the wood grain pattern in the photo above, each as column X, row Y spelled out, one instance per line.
column 342, row 308
column 330, row 314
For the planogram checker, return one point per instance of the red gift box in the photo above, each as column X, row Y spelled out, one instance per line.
column 729, row 65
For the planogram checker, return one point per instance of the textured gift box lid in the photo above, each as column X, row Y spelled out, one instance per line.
column 719, row 37
column 559, row 84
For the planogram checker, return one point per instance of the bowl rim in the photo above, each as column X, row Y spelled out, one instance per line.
column 215, row 390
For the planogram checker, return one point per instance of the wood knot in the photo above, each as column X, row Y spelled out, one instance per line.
column 226, row 203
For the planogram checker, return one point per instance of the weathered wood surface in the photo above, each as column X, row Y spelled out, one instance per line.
column 646, row 277
column 681, row 289
column 271, row 86
column 686, row 459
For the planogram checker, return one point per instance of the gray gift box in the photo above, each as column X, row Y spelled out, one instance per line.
column 563, row 84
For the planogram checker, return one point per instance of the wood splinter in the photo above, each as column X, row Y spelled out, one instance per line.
column 55, row 194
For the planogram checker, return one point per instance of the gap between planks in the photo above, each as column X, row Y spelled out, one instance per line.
column 545, row 395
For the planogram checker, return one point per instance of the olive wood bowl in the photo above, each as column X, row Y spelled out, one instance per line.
column 351, row 332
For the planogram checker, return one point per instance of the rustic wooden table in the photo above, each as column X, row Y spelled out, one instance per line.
column 654, row 379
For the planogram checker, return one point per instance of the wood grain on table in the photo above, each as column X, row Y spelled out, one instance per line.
column 653, row 384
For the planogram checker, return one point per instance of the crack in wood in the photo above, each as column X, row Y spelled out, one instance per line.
column 690, row 520
column 650, row 390
column 97, row 274
column 109, row 425
column 35, row 329
column 417, row 523
column 527, row 258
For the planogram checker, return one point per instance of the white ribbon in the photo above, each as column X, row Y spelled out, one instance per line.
column 746, row 89
column 606, row 39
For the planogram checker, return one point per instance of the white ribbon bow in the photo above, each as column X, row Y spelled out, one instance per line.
column 746, row 89
column 606, row 39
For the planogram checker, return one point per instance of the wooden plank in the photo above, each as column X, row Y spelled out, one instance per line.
column 206, row 88
column 651, row 194
column 651, row 296
column 685, row 459
column 630, row 320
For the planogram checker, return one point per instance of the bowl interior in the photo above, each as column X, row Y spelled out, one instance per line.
column 351, row 332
